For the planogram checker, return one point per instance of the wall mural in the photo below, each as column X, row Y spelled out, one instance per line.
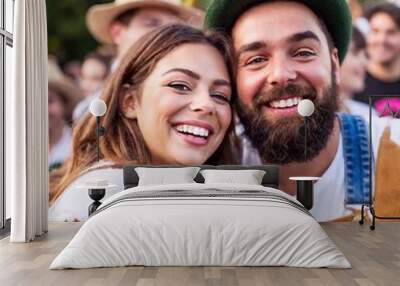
column 159, row 93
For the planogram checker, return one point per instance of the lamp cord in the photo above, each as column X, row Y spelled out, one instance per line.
column 98, row 137
column 305, row 137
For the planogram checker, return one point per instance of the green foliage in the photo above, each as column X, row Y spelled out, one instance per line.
column 369, row 3
column 204, row 3
column 68, row 36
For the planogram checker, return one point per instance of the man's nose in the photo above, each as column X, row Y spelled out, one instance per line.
column 280, row 71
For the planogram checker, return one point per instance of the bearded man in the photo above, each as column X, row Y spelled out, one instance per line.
column 287, row 51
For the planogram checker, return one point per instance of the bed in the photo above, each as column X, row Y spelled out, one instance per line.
column 202, row 222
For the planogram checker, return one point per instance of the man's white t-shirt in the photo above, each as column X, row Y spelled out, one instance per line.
column 330, row 190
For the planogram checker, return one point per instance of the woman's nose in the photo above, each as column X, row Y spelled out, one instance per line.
column 203, row 102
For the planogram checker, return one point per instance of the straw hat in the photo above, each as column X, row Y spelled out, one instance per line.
column 70, row 93
column 99, row 17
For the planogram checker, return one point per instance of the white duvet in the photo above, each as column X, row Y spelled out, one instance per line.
column 201, row 224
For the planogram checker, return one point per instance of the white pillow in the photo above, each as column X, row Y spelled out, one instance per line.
column 162, row 176
column 248, row 177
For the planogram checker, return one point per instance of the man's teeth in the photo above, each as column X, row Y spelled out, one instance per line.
column 195, row 130
column 284, row 103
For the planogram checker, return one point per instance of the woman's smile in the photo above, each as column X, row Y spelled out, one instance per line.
column 194, row 133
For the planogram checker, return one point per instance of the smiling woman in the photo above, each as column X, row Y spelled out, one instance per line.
column 184, row 105
column 169, row 102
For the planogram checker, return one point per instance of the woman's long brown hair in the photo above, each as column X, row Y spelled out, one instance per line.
column 123, row 142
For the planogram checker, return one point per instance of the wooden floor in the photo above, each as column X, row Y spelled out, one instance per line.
column 374, row 255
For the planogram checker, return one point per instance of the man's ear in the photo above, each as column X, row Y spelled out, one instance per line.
column 336, row 65
column 129, row 105
column 117, row 31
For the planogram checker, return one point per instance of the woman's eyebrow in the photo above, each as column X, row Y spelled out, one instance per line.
column 185, row 71
column 221, row 82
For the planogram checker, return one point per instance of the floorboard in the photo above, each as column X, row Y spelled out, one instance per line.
column 374, row 255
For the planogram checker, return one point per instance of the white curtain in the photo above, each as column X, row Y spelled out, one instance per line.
column 27, row 123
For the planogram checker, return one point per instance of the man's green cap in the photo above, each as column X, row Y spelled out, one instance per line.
column 222, row 15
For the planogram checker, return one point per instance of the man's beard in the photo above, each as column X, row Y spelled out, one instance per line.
column 281, row 141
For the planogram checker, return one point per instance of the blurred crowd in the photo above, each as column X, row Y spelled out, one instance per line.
column 371, row 67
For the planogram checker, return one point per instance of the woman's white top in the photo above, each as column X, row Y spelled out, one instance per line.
column 74, row 202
